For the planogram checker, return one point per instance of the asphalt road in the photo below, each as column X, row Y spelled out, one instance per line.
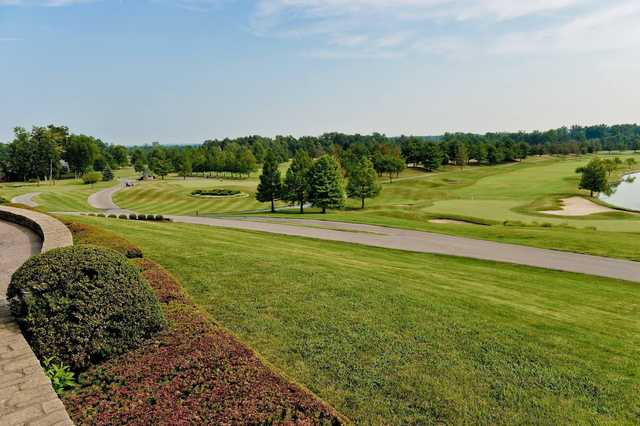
column 26, row 199
column 17, row 244
column 426, row 242
column 103, row 200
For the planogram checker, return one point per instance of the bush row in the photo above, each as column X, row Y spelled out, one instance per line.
column 216, row 192
column 132, row 216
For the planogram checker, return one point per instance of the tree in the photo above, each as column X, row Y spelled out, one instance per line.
column 326, row 188
column 296, row 184
column 91, row 177
column 107, row 174
column 594, row 176
column 270, row 186
column 431, row 156
column 461, row 155
column 160, row 166
column 363, row 182
column 247, row 162
column 186, row 167
column 630, row 162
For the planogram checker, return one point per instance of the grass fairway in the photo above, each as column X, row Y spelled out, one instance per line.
column 65, row 196
column 391, row 337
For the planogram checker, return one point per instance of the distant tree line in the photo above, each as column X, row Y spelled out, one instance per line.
column 37, row 154
column 50, row 152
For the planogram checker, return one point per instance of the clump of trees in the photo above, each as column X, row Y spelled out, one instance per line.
column 596, row 174
column 50, row 152
column 319, row 183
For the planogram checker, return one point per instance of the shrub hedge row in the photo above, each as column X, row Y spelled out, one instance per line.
column 132, row 216
column 216, row 192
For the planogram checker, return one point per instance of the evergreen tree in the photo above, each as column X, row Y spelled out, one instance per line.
column 326, row 188
column 363, row 182
column 270, row 186
column 594, row 176
column 296, row 185
column 107, row 174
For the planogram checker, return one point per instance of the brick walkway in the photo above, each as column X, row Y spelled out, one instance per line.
column 26, row 395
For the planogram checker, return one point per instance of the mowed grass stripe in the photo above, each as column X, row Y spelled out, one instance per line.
column 391, row 337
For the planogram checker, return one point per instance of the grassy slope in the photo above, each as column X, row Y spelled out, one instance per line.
column 452, row 340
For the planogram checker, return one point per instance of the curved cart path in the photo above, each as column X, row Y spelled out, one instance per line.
column 17, row 244
column 416, row 241
column 103, row 200
column 426, row 242
column 26, row 199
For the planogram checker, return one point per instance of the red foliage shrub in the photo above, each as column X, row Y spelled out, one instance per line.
column 88, row 234
column 195, row 373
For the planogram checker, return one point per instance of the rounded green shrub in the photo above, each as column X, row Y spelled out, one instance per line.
column 101, row 215
column 159, row 217
column 133, row 216
column 83, row 304
column 123, row 216
column 112, row 216
column 142, row 217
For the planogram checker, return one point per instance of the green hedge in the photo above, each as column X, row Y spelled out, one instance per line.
column 216, row 192
column 83, row 304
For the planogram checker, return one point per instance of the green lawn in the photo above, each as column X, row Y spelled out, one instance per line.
column 66, row 195
column 173, row 195
column 392, row 337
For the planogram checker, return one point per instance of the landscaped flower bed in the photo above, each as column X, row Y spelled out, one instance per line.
column 194, row 373
column 215, row 192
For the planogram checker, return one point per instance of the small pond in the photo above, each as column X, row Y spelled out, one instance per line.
column 626, row 194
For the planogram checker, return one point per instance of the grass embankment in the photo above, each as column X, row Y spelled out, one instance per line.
column 391, row 337
column 193, row 373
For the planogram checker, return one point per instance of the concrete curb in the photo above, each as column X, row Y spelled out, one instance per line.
column 53, row 232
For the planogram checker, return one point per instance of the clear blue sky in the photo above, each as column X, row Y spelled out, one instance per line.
column 135, row 71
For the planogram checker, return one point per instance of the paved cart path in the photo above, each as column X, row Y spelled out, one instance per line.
column 426, row 242
column 103, row 200
column 26, row 199
column 403, row 239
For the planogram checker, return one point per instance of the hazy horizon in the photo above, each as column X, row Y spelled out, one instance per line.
column 182, row 71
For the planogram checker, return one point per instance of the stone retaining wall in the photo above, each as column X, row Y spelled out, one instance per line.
column 26, row 394
column 53, row 232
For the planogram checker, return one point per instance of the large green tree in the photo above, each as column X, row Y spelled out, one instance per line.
column 270, row 186
column 326, row 187
column 363, row 181
column 594, row 176
column 296, row 183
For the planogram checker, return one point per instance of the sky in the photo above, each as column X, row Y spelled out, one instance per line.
column 182, row 71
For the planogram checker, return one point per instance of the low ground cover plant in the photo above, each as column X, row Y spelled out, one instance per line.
column 62, row 378
column 94, row 303
column 215, row 192
column 194, row 373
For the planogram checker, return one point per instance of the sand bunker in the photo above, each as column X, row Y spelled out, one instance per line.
column 450, row 222
column 578, row 206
